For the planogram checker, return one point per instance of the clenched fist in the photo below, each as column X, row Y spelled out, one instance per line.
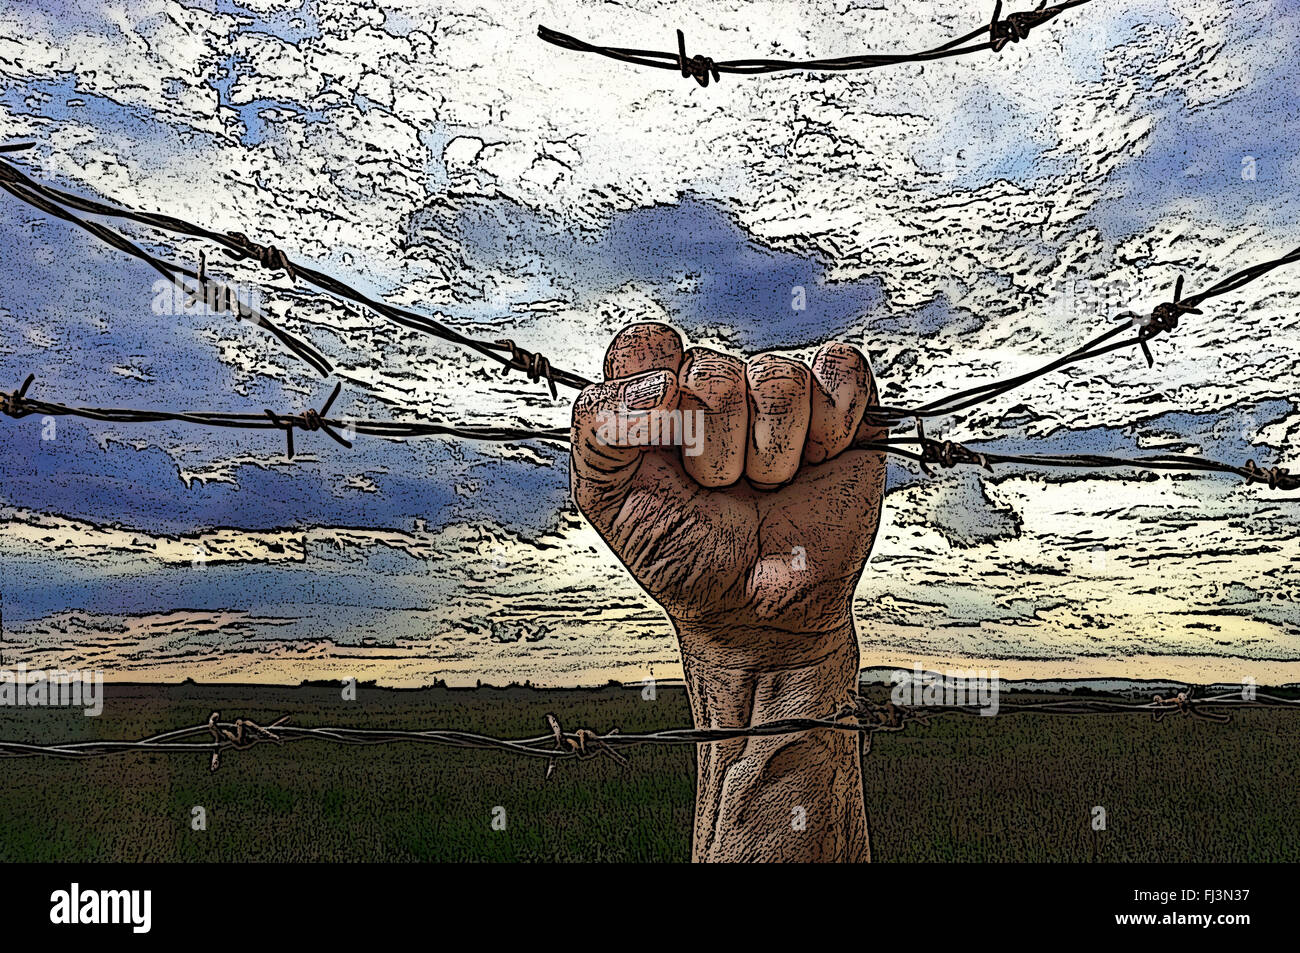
column 733, row 493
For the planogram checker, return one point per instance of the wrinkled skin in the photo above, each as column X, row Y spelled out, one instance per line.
column 753, row 543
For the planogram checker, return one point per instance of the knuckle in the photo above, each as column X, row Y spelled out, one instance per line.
column 713, row 476
column 843, row 359
column 776, row 373
column 646, row 345
column 843, row 372
column 718, row 380
column 590, row 401
column 778, row 386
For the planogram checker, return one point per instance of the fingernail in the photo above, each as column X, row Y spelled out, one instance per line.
column 646, row 392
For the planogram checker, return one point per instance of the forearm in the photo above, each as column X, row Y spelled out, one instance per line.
column 784, row 797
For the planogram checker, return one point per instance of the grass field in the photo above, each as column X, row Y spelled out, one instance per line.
column 1017, row 787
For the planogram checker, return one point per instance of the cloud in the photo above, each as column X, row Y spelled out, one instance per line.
column 85, row 476
column 1084, row 589
column 691, row 256
column 961, row 511
column 936, row 215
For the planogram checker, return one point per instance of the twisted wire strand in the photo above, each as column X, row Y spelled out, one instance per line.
column 705, row 69
column 18, row 404
column 238, row 246
column 173, row 273
column 859, row 716
column 948, row 454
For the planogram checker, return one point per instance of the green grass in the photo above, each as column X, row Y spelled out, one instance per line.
column 1013, row 788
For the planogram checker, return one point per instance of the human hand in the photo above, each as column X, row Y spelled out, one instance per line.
column 752, row 526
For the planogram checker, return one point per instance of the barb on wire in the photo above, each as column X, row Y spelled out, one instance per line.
column 1277, row 478
column 1163, row 318
column 1186, row 705
column 946, row 453
column 311, row 420
column 702, row 69
column 1016, row 26
column 584, row 742
column 268, row 256
column 223, row 736
column 15, row 404
column 534, row 365
column 859, row 715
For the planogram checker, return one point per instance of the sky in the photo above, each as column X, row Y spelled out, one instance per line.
column 961, row 221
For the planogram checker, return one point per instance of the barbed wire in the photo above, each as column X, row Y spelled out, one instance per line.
column 948, row 453
column 172, row 272
column 1162, row 318
column 860, row 715
column 18, row 404
column 239, row 246
column 703, row 69
column 942, row 453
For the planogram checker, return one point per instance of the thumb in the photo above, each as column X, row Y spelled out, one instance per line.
column 613, row 424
